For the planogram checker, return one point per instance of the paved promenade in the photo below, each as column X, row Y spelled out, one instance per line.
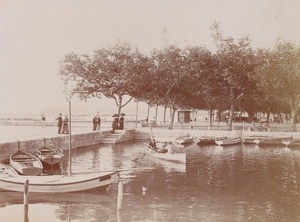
column 12, row 133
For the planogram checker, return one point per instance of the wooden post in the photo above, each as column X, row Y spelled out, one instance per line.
column 26, row 201
column 26, row 192
column 120, row 196
column 70, row 139
column 136, row 114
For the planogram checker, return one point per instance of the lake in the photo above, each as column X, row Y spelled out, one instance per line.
column 234, row 183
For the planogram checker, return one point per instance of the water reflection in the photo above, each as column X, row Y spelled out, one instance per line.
column 234, row 183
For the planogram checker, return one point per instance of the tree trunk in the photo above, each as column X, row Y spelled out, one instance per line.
column 210, row 117
column 268, row 118
column 156, row 110
column 294, row 118
column 165, row 111
column 136, row 114
column 230, row 120
column 250, row 116
column 120, row 106
column 148, row 111
column 172, row 118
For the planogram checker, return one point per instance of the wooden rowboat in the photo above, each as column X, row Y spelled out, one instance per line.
column 273, row 141
column 294, row 143
column 183, row 140
column 206, row 140
column 49, row 156
column 59, row 183
column 227, row 141
column 174, row 157
column 25, row 163
column 6, row 170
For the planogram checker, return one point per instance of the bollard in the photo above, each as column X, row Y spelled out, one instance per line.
column 120, row 196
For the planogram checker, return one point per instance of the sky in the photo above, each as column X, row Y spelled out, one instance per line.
column 35, row 35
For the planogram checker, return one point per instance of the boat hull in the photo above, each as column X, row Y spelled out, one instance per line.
column 273, row 141
column 206, row 141
column 185, row 140
column 228, row 141
column 7, row 170
column 49, row 156
column 173, row 157
column 294, row 144
column 58, row 183
column 26, row 163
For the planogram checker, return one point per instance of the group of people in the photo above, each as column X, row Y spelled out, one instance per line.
column 166, row 147
column 63, row 124
column 117, row 123
column 96, row 122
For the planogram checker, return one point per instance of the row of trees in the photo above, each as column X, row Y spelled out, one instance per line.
column 234, row 77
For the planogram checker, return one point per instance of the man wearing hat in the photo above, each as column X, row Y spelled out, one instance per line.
column 59, row 122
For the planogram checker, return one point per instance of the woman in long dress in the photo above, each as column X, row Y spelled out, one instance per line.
column 65, row 129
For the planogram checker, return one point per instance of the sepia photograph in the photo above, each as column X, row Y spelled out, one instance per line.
column 149, row 111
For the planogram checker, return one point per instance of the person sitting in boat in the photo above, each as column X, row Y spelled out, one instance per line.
column 163, row 148
column 169, row 147
column 153, row 144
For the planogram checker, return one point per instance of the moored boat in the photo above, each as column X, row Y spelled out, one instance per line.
column 294, row 143
column 49, row 156
column 6, row 170
column 25, row 163
column 174, row 157
column 206, row 140
column 184, row 140
column 59, row 183
column 273, row 141
column 226, row 141
column 252, row 139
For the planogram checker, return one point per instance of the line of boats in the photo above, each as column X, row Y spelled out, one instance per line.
column 257, row 140
column 223, row 141
column 26, row 166
column 180, row 157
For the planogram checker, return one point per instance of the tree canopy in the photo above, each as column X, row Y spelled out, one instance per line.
column 234, row 77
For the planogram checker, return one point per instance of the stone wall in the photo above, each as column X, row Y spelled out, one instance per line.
column 93, row 138
column 58, row 142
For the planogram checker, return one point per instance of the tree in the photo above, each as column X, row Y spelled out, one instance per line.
column 110, row 72
column 169, row 78
column 281, row 77
column 236, row 69
column 205, row 83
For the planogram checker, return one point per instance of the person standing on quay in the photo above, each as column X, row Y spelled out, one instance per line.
column 65, row 129
column 59, row 123
column 94, row 123
column 98, row 121
column 121, row 122
column 114, row 125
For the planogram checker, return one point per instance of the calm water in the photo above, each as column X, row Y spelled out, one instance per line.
column 236, row 183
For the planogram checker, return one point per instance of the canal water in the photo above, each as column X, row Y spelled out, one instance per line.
column 234, row 183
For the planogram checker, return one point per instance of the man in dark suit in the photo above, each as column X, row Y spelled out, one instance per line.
column 59, row 122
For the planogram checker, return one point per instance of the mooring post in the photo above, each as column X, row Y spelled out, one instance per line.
column 19, row 146
column 26, row 201
column 26, row 192
column 120, row 196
